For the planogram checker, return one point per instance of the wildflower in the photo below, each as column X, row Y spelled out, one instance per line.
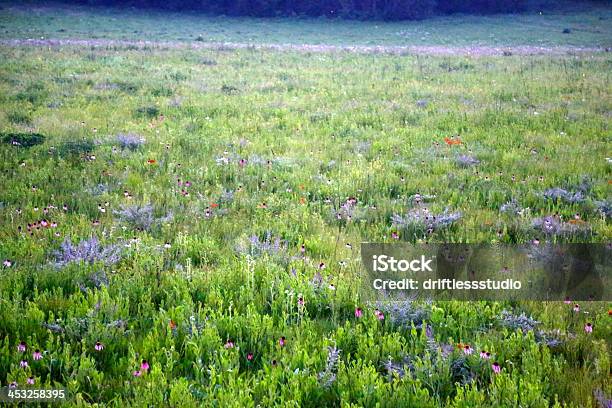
column 99, row 346
column 30, row 380
column 23, row 364
column 465, row 160
column 452, row 141
column 394, row 235
column 332, row 286
column 37, row 355
column 137, row 373
column 379, row 315
column 151, row 161
column 496, row 367
column 13, row 384
column 485, row 355
column 249, row 356
column 281, row 341
column 588, row 328
column 21, row 347
column 302, row 249
column 567, row 300
column 576, row 308
column 358, row 312
column 273, row 363
column 7, row 263
column 322, row 265
column 467, row 349
column 229, row 344
column 172, row 325
column 300, row 301
column 144, row 366
column 167, row 245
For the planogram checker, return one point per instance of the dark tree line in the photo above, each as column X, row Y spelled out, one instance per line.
column 356, row 9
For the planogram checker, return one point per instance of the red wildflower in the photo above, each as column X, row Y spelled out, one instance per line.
column 452, row 141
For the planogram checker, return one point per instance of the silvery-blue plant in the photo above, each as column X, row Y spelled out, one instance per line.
column 226, row 197
column 140, row 217
column 349, row 211
column 419, row 198
column 363, row 147
column 554, row 226
column 464, row 160
column 526, row 324
column 557, row 193
column 604, row 207
column 87, row 251
column 512, row 207
column 404, row 313
column 130, row 141
column 328, row 375
column 422, row 219
column 99, row 189
column 97, row 279
column 513, row 321
column 272, row 246
column 602, row 400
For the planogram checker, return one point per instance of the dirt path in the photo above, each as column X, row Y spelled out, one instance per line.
column 439, row 50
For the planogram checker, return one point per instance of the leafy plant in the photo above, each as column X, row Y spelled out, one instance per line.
column 25, row 140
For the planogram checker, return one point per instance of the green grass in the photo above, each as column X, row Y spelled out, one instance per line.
column 590, row 26
column 314, row 129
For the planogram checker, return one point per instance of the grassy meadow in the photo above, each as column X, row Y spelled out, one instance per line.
column 181, row 227
column 588, row 24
